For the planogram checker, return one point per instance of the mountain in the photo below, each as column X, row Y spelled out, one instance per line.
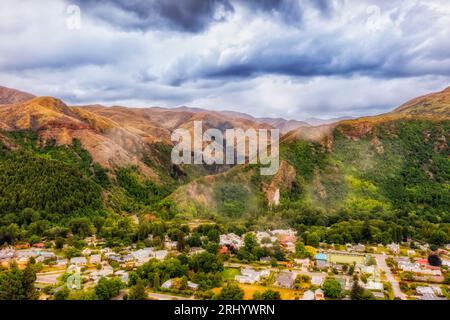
column 8, row 95
column 319, row 122
column 390, row 171
column 434, row 105
column 388, row 174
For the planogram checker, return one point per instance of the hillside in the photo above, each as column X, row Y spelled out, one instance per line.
column 389, row 173
column 8, row 95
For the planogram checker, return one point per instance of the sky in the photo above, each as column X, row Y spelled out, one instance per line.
column 280, row 58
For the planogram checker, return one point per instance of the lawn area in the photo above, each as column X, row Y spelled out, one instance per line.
column 286, row 294
column 345, row 258
column 230, row 273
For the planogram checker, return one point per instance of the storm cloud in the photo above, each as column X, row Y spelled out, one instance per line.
column 289, row 58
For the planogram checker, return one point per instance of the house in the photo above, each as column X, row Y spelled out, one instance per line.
column 231, row 240
column 317, row 280
column 429, row 291
column 359, row 248
column 249, row 276
column 161, row 254
column 286, row 279
column 284, row 232
column 61, row 262
column 394, row 248
column 193, row 286
column 321, row 260
column 95, row 258
column 170, row 245
column 265, row 260
column 411, row 252
column 39, row 245
column 374, row 285
column 86, row 252
column 168, row 284
column 7, row 253
column 446, row 262
column 223, row 250
column 123, row 275
column 142, row 255
column 78, row 261
column 303, row 262
column 308, row 295
column 319, row 295
column 106, row 271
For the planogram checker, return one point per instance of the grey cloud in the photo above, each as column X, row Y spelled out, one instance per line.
column 185, row 15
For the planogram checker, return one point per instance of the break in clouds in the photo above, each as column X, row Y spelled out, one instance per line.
column 289, row 58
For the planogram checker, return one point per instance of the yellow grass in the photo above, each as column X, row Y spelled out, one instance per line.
column 250, row 289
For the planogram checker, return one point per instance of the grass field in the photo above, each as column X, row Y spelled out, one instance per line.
column 286, row 294
column 230, row 273
column 345, row 259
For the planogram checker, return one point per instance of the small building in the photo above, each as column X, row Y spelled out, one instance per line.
column 123, row 275
column 78, row 261
column 86, row 252
column 394, row 248
column 319, row 295
column 321, row 260
column 308, row 295
column 95, row 259
column 250, row 276
column 286, row 279
column 317, row 280
column 265, row 260
column 61, row 262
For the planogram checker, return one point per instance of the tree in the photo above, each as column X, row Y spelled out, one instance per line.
column 366, row 233
column 231, row 292
column 332, row 288
column 16, row 284
column 108, row 288
column 271, row 295
column 156, row 281
column 357, row 291
column 438, row 237
column 313, row 239
column 137, row 292
column 434, row 260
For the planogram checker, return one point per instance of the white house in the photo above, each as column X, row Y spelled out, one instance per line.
column 78, row 261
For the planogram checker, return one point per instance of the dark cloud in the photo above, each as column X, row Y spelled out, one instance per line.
column 180, row 15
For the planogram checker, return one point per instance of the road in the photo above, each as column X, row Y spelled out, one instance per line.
column 381, row 262
column 163, row 296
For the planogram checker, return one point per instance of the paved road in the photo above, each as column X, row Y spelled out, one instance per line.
column 381, row 262
column 163, row 296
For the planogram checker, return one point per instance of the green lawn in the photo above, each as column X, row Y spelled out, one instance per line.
column 230, row 273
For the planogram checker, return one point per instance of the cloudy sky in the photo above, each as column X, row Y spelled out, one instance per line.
column 289, row 58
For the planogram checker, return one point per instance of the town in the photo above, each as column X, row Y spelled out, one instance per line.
column 260, row 265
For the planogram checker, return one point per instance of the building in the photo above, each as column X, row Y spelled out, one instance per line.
column 286, row 279
column 394, row 248
column 319, row 295
column 78, row 261
column 95, row 258
column 123, row 275
column 308, row 295
column 106, row 271
column 141, row 256
column 231, row 240
column 374, row 285
column 322, row 260
column 251, row 276
column 317, row 280
column 61, row 262
column 359, row 248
